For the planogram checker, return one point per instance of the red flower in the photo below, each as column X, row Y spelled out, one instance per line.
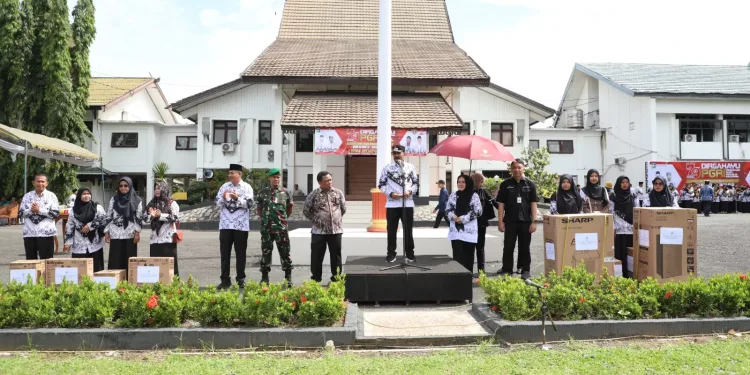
column 546, row 285
column 668, row 295
column 494, row 307
column 265, row 290
column 257, row 302
column 743, row 277
column 122, row 290
column 478, row 281
column 303, row 299
column 581, row 300
column 149, row 320
column 152, row 302
column 294, row 304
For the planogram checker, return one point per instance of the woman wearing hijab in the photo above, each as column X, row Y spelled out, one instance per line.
column 565, row 201
column 660, row 195
column 163, row 214
column 463, row 210
column 621, row 204
column 594, row 195
column 124, row 220
column 85, row 229
column 488, row 213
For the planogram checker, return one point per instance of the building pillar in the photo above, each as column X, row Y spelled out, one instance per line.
column 424, row 177
column 724, row 137
column 149, row 186
column 319, row 164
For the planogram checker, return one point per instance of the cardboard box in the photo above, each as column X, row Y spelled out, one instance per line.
column 570, row 240
column 111, row 277
column 150, row 270
column 71, row 269
column 20, row 270
column 613, row 267
column 666, row 240
column 630, row 262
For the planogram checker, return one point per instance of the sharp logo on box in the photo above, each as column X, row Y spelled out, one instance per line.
column 578, row 220
column 665, row 212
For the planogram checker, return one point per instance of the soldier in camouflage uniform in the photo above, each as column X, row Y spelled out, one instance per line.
column 274, row 207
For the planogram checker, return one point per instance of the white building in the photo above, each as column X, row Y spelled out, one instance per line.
column 659, row 112
column 132, row 130
column 321, row 72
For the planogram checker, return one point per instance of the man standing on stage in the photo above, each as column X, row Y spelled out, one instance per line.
column 325, row 208
column 517, row 199
column 399, row 182
column 39, row 208
column 274, row 207
column 440, row 208
column 234, row 200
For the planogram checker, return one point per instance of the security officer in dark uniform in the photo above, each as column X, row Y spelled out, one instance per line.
column 517, row 199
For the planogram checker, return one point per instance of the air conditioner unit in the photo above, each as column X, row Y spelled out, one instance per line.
column 690, row 138
column 228, row 147
column 734, row 139
column 621, row 161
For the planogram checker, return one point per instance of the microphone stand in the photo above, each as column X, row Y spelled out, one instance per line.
column 545, row 315
column 404, row 264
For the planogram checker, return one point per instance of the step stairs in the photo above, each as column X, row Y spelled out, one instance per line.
column 358, row 212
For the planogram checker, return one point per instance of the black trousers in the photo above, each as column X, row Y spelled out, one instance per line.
column 393, row 215
column 441, row 217
column 622, row 243
column 520, row 231
column 724, row 206
column 238, row 238
column 715, row 207
column 97, row 256
column 463, row 253
column 480, row 247
column 39, row 247
column 120, row 252
column 732, row 207
column 706, row 208
column 165, row 250
column 318, row 245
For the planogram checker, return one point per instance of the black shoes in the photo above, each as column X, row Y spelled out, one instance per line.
column 288, row 278
column 390, row 258
column 525, row 275
column 224, row 285
column 264, row 278
column 503, row 273
column 411, row 258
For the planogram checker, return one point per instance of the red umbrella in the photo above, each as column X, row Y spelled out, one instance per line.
column 472, row 147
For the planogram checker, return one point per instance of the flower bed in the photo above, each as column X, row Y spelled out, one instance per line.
column 179, row 304
column 575, row 296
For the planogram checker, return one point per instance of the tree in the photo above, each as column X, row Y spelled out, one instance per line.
column 84, row 30
column 160, row 170
column 536, row 163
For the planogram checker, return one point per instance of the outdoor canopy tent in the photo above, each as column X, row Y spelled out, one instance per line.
column 40, row 146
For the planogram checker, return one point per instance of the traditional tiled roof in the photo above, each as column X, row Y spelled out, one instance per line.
column 674, row 80
column 204, row 95
column 333, row 110
column 103, row 90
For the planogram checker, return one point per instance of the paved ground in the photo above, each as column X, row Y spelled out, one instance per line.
column 722, row 248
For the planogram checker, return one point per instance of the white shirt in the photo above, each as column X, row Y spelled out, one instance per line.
column 390, row 182
column 71, row 200
column 42, row 223
column 640, row 194
column 468, row 230
column 117, row 227
column 235, row 214
column 80, row 243
column 168, row 228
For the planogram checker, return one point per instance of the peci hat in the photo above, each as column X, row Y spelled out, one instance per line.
column 398, row 148
column 273, row 172
column 235, row 167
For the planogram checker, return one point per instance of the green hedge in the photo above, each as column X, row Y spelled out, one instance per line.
column 93, row 305
column 574, row 296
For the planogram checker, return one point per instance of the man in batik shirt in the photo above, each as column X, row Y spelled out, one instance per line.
column 325, row 208
column 234, row 200
column 274, row 207
column 399, row 181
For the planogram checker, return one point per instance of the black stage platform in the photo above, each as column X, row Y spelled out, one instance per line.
column 446, row 280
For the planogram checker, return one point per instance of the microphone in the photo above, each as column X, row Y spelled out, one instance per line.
column 400, row 164
column 531, row 283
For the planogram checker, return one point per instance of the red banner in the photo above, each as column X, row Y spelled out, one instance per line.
column 681, row 173
column 364, row 141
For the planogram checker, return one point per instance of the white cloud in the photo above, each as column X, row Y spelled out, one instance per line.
column 209, row 17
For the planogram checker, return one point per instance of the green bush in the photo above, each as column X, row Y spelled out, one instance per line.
column 197, row 192
column 574, row 296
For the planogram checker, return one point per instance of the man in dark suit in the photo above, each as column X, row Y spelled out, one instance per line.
column 440, row 208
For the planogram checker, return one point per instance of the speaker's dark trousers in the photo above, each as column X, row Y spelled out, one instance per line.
column 238, row 238
column 441, row 216
column 318, row 245
column 520, row 231
column 480, row 247
column 39, row 247
column 393, row 215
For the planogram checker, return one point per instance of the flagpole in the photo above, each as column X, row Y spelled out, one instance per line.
column 384, row 87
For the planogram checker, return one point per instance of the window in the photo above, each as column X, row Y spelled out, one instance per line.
column 303, row 142
column 560, row 147
column 89, row 125
column 502, row 133
column 225, row 132
column 466, row 129
column 264, row 132
column 433, row 140
column 738, row 125
column 129, row 140
column 533, row 144
column 186, row 143
column 703, row 127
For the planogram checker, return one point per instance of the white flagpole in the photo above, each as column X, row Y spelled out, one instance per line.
column 384, row 87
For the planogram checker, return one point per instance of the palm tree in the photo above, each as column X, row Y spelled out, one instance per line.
column 161, row 170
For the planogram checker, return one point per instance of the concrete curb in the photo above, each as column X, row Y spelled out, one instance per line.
column 180, row 338
column 531, row 331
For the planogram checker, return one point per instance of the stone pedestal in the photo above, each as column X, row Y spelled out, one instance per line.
column 378, row 223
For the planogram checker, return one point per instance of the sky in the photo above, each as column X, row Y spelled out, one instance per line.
column 527, row 46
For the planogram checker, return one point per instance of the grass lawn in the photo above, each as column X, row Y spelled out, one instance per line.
column 705, row 356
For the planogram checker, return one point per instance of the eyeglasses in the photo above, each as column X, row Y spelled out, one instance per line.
column 658, row 184
column 124, row 185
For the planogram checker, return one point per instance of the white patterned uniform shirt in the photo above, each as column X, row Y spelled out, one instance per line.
column 390, row 182
column 79, row 242
column 42, row 223
column 118, row 228
column 468, row 230
column 167, row 229
column 235, row 214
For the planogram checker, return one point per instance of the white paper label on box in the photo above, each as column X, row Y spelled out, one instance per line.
column 111, row 280
column 643, row 237
column 587, row 241
column 549, row 249
column 618, row 269
column 148, row 274
column 66, row 273
column 670, row 236
column 22, row 276
column 609, row 260
column 630, row 263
